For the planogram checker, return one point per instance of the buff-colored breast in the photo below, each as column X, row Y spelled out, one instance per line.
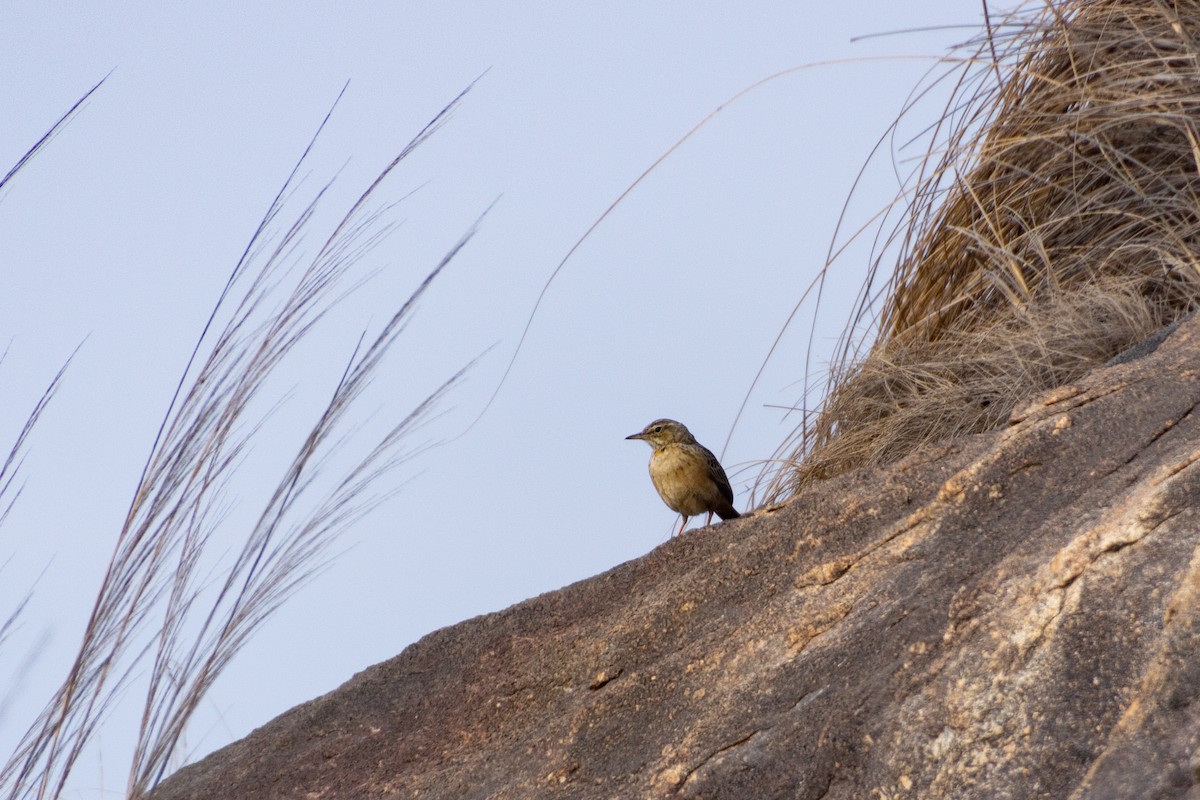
column 681, row 474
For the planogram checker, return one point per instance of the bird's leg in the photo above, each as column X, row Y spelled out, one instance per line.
column 681, row 526
column 709, row 521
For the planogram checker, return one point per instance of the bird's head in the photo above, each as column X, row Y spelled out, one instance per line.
column 663, row 432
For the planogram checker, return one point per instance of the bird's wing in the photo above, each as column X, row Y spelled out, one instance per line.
column 718, row 475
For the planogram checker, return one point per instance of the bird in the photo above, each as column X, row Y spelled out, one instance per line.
column 686, row 474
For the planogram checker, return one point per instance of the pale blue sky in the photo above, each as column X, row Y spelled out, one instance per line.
column 123, row 231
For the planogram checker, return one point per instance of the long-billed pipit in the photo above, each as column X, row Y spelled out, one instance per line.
column 686, row 474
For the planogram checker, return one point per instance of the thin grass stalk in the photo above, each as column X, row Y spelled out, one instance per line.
column 172, row 514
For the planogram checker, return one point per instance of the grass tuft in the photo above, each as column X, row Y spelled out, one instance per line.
column 1053, row 223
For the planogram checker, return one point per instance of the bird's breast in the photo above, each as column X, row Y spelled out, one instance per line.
column 681, row 477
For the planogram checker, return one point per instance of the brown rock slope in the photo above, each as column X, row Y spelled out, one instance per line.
column 1012, row 615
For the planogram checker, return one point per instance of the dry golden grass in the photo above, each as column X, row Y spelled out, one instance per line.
column 1054, row 223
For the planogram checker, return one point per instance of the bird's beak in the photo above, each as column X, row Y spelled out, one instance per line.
column 637, row 436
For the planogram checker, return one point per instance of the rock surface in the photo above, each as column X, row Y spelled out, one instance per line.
column 1013, row 615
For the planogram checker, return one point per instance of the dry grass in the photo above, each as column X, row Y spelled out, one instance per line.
column 10, row 492
column 162, row 615
column 1054, row 222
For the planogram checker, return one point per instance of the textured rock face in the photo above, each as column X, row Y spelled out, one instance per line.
column 1014, row 615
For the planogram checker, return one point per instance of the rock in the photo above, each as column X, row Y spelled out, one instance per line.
column 1010, row 615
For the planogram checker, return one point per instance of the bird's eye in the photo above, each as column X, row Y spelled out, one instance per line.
column 657, row 429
